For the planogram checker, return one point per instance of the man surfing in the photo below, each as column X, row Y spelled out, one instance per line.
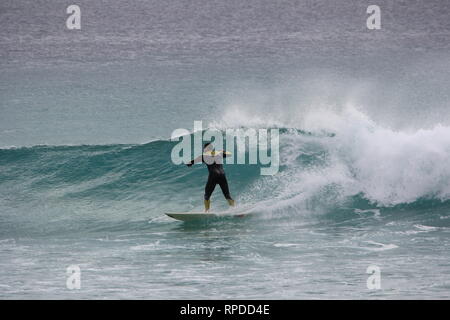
column 213, row 160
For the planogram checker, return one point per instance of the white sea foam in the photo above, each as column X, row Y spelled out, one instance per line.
column 388, row 167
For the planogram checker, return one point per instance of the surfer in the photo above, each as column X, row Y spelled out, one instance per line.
column 213, row 160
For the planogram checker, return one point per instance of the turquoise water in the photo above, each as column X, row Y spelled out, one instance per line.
column 101, row 208
column 86, row 175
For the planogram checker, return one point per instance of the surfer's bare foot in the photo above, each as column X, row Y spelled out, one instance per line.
column 207, row 205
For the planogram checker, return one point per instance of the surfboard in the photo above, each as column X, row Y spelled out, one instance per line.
column 199, row 216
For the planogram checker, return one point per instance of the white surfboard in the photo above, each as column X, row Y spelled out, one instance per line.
column 198, row 216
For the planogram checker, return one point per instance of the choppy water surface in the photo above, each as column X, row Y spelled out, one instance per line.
column 85, row 170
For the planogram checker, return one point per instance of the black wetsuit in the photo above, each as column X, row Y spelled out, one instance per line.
column 216, row 176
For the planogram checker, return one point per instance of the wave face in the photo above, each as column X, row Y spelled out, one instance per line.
column 345, row 161
column 349, row 193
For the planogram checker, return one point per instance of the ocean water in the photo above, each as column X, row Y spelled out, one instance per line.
column 86, row 174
